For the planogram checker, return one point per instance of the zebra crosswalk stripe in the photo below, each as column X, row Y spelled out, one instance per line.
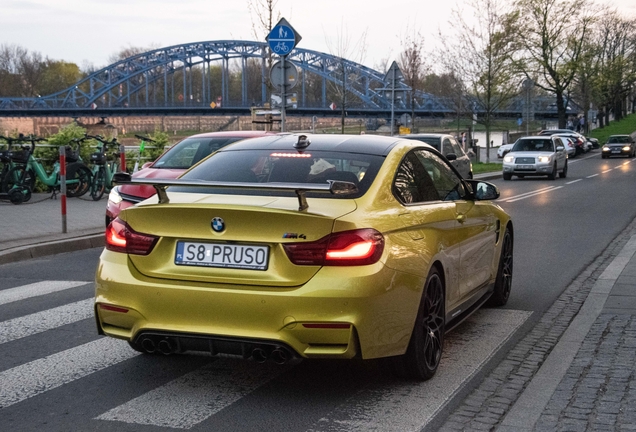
column 39, row 376
column 36, row 289
column 194, row 397
column 39, row 322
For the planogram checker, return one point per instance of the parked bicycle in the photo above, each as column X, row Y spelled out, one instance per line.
column 20, row 180
column 103, row 168
column 10, row 158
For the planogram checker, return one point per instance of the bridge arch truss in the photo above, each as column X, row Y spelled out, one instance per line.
column 227, row 73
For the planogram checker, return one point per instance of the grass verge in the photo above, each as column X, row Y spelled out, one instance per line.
column 482, row 167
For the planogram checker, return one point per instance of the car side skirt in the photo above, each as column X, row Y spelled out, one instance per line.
column 457, row 315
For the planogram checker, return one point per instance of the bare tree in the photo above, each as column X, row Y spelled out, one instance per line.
column 343, row 48
column 130, row 51
column 412, row 65
column 485, row 62
column 552, row 34
column 264, row 16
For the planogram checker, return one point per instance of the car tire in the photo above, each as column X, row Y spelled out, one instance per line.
column 564, row 173
column 503, row 282
column 553, row 174
column 424, row 353
column 507, row 176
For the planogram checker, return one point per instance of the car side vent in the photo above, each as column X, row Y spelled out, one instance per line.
column 497, row 231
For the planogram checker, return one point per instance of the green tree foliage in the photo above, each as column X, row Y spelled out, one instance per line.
column 486, row 62
column 614, row 46
column 552, row 35
column 57, row 76
column 25, row 74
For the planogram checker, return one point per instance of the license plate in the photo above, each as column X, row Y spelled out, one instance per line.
column 223, row 255
column 616, row 151
column 526, row 167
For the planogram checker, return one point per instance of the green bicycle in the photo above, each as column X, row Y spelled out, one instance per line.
column 20, row 180
column 103, row 169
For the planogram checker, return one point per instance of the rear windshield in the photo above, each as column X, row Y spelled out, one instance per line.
column 433, row 141
column 267, row 166
column 190, row 151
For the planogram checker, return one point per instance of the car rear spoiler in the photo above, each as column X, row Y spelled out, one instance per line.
column 334, row 187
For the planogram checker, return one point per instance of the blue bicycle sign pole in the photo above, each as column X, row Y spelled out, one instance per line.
column 281, row 40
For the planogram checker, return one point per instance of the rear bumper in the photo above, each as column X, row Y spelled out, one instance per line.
column 331, row 316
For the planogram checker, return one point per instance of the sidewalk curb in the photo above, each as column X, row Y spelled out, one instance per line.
column 38, row 250
column 525, row 412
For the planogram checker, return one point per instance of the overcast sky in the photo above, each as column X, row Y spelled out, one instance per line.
column 92, row 31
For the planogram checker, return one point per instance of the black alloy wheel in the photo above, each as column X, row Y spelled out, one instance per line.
column 424, row 353
column 503, row 282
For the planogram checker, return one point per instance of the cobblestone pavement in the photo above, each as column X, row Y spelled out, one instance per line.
column 599, row 385
column 598, row 392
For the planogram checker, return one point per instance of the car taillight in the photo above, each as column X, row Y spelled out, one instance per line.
column 122, row 238
column 347, row 248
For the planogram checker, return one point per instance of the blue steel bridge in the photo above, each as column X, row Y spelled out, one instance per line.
column 232, row 76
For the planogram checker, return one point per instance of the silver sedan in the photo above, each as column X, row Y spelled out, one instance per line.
column 536, row 156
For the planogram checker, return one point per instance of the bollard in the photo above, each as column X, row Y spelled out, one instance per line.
column 122, row 158
column 63, row 186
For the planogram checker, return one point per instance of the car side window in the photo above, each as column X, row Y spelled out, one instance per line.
column 412, row 183
column 448, row 185
column 457, row 149
column 447, row 147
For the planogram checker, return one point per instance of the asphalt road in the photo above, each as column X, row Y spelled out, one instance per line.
column 56, row 373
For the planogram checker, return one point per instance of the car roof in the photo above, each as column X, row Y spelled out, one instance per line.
column 231, row 134
column 554, row 131
column 536, row 137
column 426, row 135
column 367, row 144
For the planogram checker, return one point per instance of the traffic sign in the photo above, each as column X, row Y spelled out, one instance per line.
column 288, row 77
column 283, row 38
column 394, row 74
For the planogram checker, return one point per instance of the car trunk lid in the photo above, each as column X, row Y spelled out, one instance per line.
column 248, row 223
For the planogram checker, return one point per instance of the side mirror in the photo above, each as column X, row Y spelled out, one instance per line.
column 121, row 177
column 560, row 148
column 483, row 191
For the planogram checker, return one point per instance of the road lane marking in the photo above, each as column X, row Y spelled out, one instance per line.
column 191, row 399
column 531, row 194
column 39, row 322
column 593, row 175
column 36, row 289
column 409, row 406
column 606, row 171
column 574, row 181
column 39, row 376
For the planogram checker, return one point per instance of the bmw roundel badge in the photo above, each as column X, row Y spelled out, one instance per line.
column 218, row 224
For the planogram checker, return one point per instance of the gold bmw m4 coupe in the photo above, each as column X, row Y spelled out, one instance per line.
column 307, row 246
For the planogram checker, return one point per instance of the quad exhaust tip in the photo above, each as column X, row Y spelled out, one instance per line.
column 152, row 344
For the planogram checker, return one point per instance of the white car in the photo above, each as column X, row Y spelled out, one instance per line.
column 503, row 150
column 570, row 145
column 536, row 156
